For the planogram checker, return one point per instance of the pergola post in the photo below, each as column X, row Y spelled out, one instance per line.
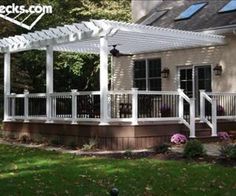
column 7, row 83
column 49, row 81
column 104, row 80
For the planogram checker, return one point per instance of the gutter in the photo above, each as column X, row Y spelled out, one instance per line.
column 219, row 30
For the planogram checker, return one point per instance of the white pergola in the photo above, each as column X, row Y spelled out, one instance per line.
column 96, row 36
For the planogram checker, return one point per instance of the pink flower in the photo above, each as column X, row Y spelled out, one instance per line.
column 178, row 138
column 223, row 135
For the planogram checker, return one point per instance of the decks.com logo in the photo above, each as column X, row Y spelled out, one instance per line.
column 22, row 15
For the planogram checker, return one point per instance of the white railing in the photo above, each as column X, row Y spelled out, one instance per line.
column 64, row 106
column 188, row 120
column 211, row 117
column 225, row 104
column 123, row 106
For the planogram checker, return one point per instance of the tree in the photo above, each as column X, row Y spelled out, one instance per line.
column 72, row 70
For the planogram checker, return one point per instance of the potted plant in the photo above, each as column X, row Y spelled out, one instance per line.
column 165, row 111
column 220, row 110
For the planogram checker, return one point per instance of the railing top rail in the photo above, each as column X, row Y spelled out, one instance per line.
column 220, row 93
column 88, row 93
column 55, row 94
column 158, row 92
column 120, row 92
column 16, row 95
column 35, row 95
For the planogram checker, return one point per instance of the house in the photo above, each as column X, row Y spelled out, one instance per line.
column 172, row 72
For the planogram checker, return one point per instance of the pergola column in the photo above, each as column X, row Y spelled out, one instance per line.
column 104, row 80
column 49, row 81
column 7, row 83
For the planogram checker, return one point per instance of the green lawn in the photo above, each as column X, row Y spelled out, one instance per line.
column 26, row 171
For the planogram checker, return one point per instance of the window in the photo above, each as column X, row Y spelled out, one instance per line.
column 147, row 74
column 190, row 11
column 154, row 17
column 231, row 6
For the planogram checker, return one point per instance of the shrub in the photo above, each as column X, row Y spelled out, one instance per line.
column 128, row 153
column 91, row 145
column 193, row 149
column 162, row 148
column 25, row 138
column 1, row 134
column 178, row 138
column 72, row 145
column 228, row 151
column 56, row 141
column 223, row 135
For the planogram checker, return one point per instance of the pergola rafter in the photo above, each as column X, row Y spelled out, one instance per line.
column 132, row 38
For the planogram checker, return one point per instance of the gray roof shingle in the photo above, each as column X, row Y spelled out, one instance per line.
column 207, row 18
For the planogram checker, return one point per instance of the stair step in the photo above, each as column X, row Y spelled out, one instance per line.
column 207, row 139
column 203, row 132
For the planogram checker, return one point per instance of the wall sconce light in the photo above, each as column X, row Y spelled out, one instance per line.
column 217, row 70
column 165, row 73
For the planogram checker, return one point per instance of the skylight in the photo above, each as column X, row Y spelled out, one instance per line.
column 190, row 11
column 153, row 17
column 231, row 6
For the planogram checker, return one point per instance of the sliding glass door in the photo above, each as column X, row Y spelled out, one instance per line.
column 195, row 78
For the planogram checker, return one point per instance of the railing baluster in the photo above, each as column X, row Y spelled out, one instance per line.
column 214, row 120
column 181, row 105
column 202, row 105
column 26, row 106
column 192, row 118
column 74, row 106
column 13, row 105
column 134, row 106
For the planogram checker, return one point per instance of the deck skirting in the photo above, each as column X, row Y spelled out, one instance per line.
column 109, row 137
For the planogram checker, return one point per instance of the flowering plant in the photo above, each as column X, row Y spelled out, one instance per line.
column 178, row 138
column 220, row 110
column 165, row 110
column 223, row 135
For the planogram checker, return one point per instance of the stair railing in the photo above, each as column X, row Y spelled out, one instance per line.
column 211, row 122
column 191, row 101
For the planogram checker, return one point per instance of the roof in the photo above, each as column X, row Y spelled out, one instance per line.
column 206, row 18
column 130, row 38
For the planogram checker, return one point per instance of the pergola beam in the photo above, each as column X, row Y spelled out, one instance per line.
column 120, row 32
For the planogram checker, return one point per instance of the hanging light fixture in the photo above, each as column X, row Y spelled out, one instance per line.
column 165, row 73
column 217, row 70
column 114, row 51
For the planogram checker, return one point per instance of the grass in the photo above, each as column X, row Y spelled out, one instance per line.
column 26, row 171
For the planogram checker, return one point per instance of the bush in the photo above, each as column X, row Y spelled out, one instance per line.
column 1, row 134
column 228, row 151
column 193, row 149
column 128, row 153
column 25, row 138
column 90, row 146
column 223, row 135
column 72, row 145
column 178, row 138
column 162, row 148
column 57, row 141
